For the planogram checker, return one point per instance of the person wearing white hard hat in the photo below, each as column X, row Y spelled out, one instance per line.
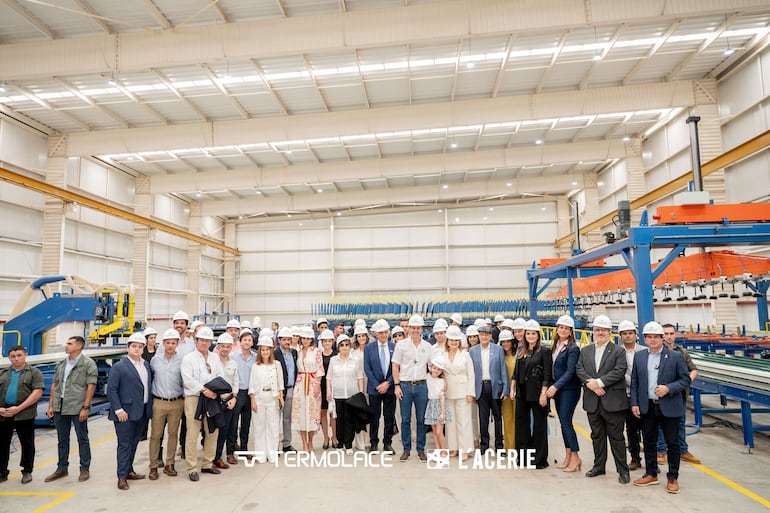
column 151, row 336
column 225, row 344
column 658, row 380
column 287, row 358
column 628, row 337
column 531, row 378
column 266, row 389
column 360, row 341
column 345, row 379
column 295, row 331
column 410, row 364
column 321, row 325
column 456, row 320
column 130, row 395
column 233, row 328
column 517, row 325
column 306, row 407
column 245, row 325
column 181, row 322
column 508, row 408
column 460, row 392
column 565, row 390
column 439, row 338
column 199, row 368
column 167, row 404
column 492, row 383
column 379, row 386
column 496, row 327
column 601, row 369
column 397, row 334
column 326, row 339
column 472, row 335
column 244, row 358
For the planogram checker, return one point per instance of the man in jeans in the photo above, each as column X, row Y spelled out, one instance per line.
column 73, row 386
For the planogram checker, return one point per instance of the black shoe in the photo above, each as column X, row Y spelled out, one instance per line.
column 541, row 466
column 624, row 479
column 373, row 448
column 3, row 478
column 26, row 477
column 211, row 470
column 595, row 472
column 193, row 476
column 387, row 448
column 289, row 448
column 404, row 456
column 422, row 456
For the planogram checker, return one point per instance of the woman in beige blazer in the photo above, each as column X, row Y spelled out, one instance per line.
column 460, row 380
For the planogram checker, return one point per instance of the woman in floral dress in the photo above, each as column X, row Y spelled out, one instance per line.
column 306, row 407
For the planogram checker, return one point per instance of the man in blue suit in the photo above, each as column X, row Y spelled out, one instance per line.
column 128, row 391
column 379, row 386
column 492, row 384
column 658, row 380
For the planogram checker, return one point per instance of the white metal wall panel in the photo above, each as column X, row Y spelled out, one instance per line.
column 749, row 180
column 22, row 147
column 12, row 194
column 19, row 260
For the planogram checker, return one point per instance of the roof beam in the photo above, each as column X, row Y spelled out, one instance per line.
column 389, row 119
column 179, row 95
column 594, row 63
column 104, row 110
column 661, row 41
column 31, row 19
column 338, row 32
column 157, row 14
column 45, row 104
column 222, row 89
column 92, row 15
column 358, row 170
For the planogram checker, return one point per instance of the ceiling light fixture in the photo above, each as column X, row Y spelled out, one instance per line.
column 319, row 190
column 446, row 186
column 197, row 194
column 728, row 50
column 574, row 183
column 453, row 145
column 538, row 141
column 598, row 55
column 112, row 81
column 508, row 184
column 626, row 138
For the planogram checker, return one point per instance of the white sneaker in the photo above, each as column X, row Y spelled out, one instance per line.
column 349, row 451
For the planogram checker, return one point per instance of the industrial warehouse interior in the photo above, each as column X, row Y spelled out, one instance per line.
column 277, row 164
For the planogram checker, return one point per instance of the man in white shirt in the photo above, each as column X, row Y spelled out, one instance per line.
column 198, row 368
column 410, row 372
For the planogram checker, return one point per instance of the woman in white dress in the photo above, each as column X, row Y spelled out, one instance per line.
column 266, row 394
column 345, row 379
column 306, row 407
column 461, row 390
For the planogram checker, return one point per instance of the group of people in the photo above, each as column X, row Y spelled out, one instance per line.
column 249, row 389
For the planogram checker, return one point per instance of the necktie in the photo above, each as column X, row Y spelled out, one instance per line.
column 383, row 361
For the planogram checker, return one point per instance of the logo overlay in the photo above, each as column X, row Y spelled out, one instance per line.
column 330, row 459
column 501, row 459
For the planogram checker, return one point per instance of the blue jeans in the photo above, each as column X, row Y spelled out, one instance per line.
column 64, row 424
column 683, row 448
column 416, row 395
column 566, row 402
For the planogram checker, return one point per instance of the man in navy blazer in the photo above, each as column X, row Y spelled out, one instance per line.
column 128, row 391
column 492, row 384
column 658, row 380
column 379, row 386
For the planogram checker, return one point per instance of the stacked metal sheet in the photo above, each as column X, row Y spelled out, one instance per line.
column 736, row 370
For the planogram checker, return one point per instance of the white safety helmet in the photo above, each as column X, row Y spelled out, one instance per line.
column 416, row 321
column 136, row 337
column 234, row 323
column 306, row 332
column 320, row 321
column 170, row 333
column 245, row 324
column 626, row 326
column 602, row 321
column 225, row 338
column 257, row 323
column 479, row 322
column 380, row 325
column 488, row 321
column 454, row 333
column 295, row 331
column 195, row 324
column 326, row 335
column 205, row 333
column 245, row 331
column 456, row 317
column 359, row 322
column 181, row 316
column 440, row 362
column 505, row 335
column 285, row 332
column 265, row 342
column 531, row 325
column 440, row 325
column 653, row 328
column 397, row 329
column 518, row 323
column 471, row 331
column 149, row 331
column 566, row 320
column 343, row 338
column 509, row 324
column 360, row 330
column 266, row 332
column 499, row 318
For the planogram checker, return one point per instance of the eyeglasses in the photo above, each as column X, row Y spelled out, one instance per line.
column 343, row 344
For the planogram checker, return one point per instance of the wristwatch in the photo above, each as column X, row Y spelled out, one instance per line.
column 86, row 407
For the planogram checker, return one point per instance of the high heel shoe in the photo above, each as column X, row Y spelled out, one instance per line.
column 575, row 466
column 567, row 460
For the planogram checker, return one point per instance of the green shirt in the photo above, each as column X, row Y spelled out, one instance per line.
column 83, row 374
column 30, row 379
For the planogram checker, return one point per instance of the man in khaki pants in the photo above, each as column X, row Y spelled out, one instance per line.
column 168, row 403
column 198, row 368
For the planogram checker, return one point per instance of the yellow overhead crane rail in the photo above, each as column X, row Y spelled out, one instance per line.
column 66, row 195
column 729, row 157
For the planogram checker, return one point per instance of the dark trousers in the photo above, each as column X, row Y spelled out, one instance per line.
column 25, row 430
column 224, row 432
column 384, row 404
column 345, row 428
column 608, row 424
column 64, row 424
column 537, row 437
column 487, row 405
column 633, row 430
column 650, row 422
column 242, row 414
column 566, row 401
column 128, row 433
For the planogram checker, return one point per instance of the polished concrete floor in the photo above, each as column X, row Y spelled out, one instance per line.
column 730, row 479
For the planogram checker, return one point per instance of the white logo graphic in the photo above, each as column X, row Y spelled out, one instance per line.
column 438, row 459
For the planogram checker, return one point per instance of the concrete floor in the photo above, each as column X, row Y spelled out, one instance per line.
column 726, row 482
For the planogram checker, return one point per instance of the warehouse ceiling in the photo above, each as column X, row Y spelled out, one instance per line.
column 268, row 107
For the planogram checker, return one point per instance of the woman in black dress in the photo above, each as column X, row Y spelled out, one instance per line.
column 327, row 342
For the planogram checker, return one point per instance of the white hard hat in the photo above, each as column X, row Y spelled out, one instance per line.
column 234, row 323
column 267, row 332
column 488, row 321
column 416, row 321
column 471, row 331
column 245, row 331
column 505, row 335
column 195, row 324
column 343, row 338
column 499, row 318
column 456, row 317
column 518, row 323
column 225, row 338
column 326, row 335
column 285, row 332
column 397, row 329
column 380, row 325
column 602, row 321
column 479, row 322
column 510, row 324
column 440, row 362
column 205, row 333
column 626, row 326
column 653, row 328
column 532, row 325
column 295, row 331
column 566, row 320
column 170, row 333
column 306, row 332
column 265, row 342
column 257, row 323
column 454, row 333
column 245, row 324
column 321, row 320
column 440, row 325
column 360, row 330
column 181, row 316
column 359, row 322
column 136, row 337
column 149, row 331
